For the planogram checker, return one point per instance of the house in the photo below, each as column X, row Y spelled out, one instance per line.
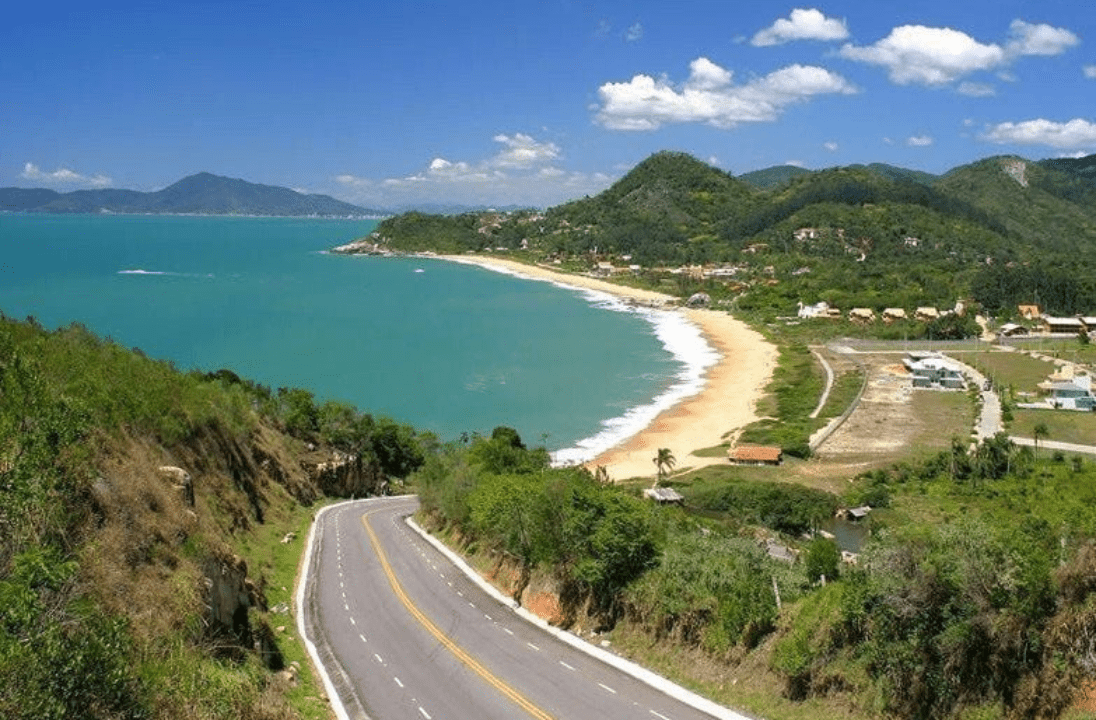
column 855, row 514
column 892, row 314
column 1011, row 329
column 820, row 309
column 1089, row 322
column 934, row 371
column 862, row 315
column 1072, row 394
column 664, row 496
column 755, row 455
column 1070, row 326
column 1028, row 312
column 926, row 314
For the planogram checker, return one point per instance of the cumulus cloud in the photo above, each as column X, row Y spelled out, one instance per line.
column 710, row 96
column 927, row 56
column 803, row 24
column 919, row 141
column 522, row 172
column 1090, row 72
column 933, row 56
column 633, row 33
column 1030, row 39
column 522, row 151
column 1076, row 134
column 831, row 146
column 973, row 89
column 64, row 176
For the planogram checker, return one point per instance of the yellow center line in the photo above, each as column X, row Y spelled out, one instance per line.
column 519, row 699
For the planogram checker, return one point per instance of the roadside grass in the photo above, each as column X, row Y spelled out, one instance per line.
column 1065, row 348
column 744, row 683
column 1070, row 426
column 276, row 563
column 846, row 386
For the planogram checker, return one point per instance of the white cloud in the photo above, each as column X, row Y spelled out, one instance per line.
column 522, row 172
column 522, row 151
column 709, row 96
column 927, row 56
column 1030, row 39
column 633, row 33
column 915, row 54
column 1090, row 72
column 1075, row 134
column 919, row 141
column 801, row 25
column 63, row 176
column 973, row 89
column 831, row 146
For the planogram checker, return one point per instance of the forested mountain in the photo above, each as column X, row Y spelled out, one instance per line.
column 1000, row 231
column 201, row 194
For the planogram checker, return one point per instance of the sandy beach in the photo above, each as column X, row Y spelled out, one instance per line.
column 725, row 404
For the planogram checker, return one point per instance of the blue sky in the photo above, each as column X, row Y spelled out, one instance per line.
column 484, row 102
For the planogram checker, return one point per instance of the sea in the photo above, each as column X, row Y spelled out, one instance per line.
column 446, row 347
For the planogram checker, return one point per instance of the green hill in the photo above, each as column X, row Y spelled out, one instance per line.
column 773, row 177
column 875, row 235
column 204, row 194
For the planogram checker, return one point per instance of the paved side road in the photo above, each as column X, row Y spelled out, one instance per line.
column 400, row 630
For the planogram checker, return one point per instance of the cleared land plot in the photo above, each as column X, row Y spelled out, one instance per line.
column 894, row 421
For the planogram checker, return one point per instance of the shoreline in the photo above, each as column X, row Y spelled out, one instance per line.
column 724, row 404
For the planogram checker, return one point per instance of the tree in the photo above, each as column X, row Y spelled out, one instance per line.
column 823, row 559
column 1039, row 431
column 665, row 462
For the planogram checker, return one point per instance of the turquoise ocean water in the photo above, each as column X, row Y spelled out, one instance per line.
column 444, row 346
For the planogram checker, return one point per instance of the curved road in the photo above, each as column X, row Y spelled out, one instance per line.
column 402, row 633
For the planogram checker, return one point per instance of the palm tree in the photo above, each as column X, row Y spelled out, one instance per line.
column 1039, row 431
column 665, row 461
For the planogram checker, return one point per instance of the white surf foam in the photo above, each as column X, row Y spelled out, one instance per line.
column 680, row 337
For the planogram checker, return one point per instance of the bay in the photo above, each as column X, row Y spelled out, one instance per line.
column 443, row 346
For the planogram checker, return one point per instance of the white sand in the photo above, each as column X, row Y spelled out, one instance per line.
column 725, row 404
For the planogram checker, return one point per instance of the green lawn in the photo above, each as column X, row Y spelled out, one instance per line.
column 1010, row 369
column 1064, row 425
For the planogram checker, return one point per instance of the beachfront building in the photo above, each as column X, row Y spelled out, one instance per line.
column 818, row 310
column 930, row 370
column 1028, row 312
column 892, row 314
column 1063, row 325
column 864, row 315
column 664, row 496
column 1070, row 392
column 926, row 314
column 755, row 455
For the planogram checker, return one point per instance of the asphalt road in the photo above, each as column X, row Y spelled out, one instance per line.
column 404, row 634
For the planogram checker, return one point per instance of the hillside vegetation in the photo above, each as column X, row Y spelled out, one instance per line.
column 994, row 233
column 138, row 511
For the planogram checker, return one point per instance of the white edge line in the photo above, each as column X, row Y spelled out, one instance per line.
column 639, row 672
column 302, row 583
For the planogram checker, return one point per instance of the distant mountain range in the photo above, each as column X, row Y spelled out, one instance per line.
column 201, row 194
